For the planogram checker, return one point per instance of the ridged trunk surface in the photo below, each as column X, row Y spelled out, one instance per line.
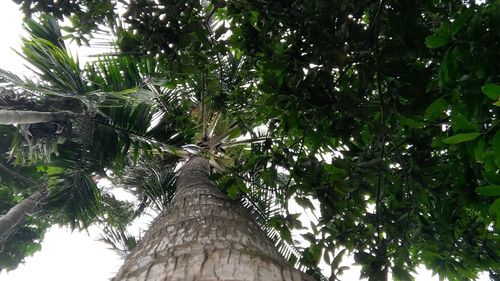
column 203, row 236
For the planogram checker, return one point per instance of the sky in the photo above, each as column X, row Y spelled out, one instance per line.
column 78, row 256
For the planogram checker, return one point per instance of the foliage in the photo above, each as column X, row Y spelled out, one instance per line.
column 85, row 15
column 386, row 112
column 26, row 239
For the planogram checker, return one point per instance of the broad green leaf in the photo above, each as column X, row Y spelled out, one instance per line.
column 309, row 237
column 242, row 186
column 285, row 233
column 444, row 67
column 304, row 202
column 294, row 222
column 215, row 176
column 492, row 178
column 315, row 251
column 437, row 142
column 488, row 190
column 460, row 22
column 254, row 18
column 459, row 123
column 495, row 210
column 314, row 228
column 495, row 207
column 479, row 151
column 436, row 41
column 496, row 148
column 491, row 90
column 436, row 109
column 267, row 177
column 411, row 123
column 326, row 257
column 338, row 258
column 459, row 138
column 233, row 191
column 366, row 136
column 440, row 37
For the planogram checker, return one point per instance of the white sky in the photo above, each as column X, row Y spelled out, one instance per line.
column 75, row 256
column 10, row 31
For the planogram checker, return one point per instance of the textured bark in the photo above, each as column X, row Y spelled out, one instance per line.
column 204, row 236
column 17, row 213
column 9, row 117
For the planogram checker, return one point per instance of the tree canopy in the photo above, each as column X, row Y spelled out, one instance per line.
column 384, row 112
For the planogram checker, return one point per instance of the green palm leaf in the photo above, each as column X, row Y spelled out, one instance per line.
column 47, row 28
column 152, row 178
column 118, row 239
column 77, row 196
column 54, row 65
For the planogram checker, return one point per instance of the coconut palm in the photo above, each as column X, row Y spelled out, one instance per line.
column 127, row 110
column 49, row 132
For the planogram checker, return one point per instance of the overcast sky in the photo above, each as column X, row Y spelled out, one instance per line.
column 67, row 255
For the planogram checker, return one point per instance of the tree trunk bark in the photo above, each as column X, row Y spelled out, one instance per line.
column 10, row 117
column 17, row 213
column 204, row 236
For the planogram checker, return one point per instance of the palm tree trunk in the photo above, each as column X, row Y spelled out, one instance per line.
column 204, row 236
column 9, row 117
column 17, row 213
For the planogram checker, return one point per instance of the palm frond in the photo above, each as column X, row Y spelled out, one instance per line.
column 125, row 127
column 143, row 79
column 77, row 196
column 75, row 156
column 153, row 179
column 47, row 28
column 119, row 213
column 114, row 74
column 38, row 142
column 133, row 82
column 11, row 78
column 268, row 213
column 54, row 65
column 118, row 239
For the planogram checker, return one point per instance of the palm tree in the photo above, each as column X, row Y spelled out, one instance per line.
column 150, row 122
column 45, row 127
column 203, row 235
